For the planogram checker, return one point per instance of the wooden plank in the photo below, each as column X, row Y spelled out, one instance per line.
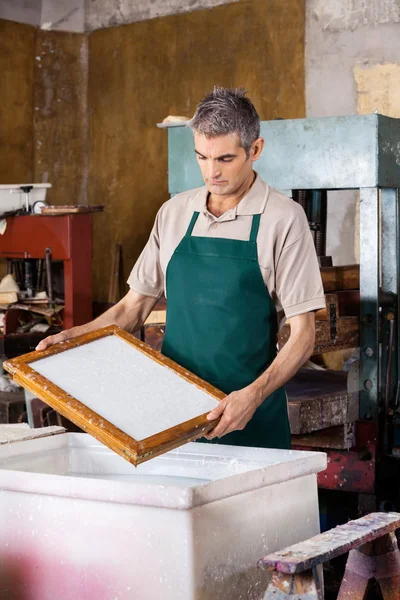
column 299, row 586
column 156, row 317
column 318, row 400
column 349, row 303
column 18, row 432
column 347, row 335
column 68, row 209
column 345, row 303
column 41, row 310
column 135, row 451
column 341, row 278
column 342, row 437
column 353, row 587
column 384, row 547
column 327, row 339
column 326, row 546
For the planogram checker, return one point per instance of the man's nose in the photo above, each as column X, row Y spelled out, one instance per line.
column 214, row 171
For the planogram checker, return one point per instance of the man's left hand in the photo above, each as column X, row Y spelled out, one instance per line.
column 236, row 409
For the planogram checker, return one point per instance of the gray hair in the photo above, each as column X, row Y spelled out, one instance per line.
column 224, row 111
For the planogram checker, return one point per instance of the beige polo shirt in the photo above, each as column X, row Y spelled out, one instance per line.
column 286, row 253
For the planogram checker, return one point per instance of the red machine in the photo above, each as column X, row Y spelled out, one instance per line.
column 69, row 239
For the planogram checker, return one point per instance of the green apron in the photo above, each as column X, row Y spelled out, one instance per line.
column 222, row 326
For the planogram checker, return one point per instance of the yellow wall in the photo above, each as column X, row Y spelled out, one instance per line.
column 141, row 72
column 17, row 48
column 43, row 112
column 81, row 110
column 60, row 130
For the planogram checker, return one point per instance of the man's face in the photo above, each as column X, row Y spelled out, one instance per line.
column 223, row 163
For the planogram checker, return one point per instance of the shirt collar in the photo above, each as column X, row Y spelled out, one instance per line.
column 253, row 203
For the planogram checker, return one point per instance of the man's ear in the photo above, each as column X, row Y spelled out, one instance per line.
column 256, row 149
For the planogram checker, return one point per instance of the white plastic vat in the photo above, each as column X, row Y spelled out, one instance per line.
column 80, row 523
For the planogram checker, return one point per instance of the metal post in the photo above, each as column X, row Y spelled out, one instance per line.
column 389, row 322
column 369, row 302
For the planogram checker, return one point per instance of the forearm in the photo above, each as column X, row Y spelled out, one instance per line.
column 129, row 313
column 113, row 316
column 293, row 355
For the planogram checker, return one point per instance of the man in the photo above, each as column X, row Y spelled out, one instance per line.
column 234, row 258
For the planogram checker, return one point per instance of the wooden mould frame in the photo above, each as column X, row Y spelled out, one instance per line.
column 135, row 451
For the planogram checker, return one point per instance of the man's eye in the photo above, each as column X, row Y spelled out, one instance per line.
column 226, row 160
column 201, row 157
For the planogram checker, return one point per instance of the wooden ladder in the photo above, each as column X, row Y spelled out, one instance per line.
column 373, row 554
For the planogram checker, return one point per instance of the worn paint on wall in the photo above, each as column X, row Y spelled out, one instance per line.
column 340, row 36
column 68, row 15
column 108, row 13
column 378, row 89
column 144, row 71
column 17, row 46
column 89, row 15
column 60, row 115
column 351, row 14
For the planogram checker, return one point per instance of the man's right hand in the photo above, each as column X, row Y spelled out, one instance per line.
column 55, row 339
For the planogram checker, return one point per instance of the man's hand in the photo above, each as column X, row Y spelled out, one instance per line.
column 236, row 409
column 54, row 339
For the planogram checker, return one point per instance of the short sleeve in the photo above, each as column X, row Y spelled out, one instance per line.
column 146, row 276
column 298, row 279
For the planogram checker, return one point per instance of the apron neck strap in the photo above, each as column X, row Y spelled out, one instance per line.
column 192, row 224
column 253, row 233
column 254, row 228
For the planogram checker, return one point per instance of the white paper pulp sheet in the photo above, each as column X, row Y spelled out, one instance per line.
column 124, row 386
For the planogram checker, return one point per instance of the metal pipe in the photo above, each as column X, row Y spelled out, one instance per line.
column 28, row 279
column 388, row 380
column 301, row 196
column 318, row 218
column 47, row 257
column 39, row 275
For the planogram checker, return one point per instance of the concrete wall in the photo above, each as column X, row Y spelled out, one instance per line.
column 68, row 15
column 352, row 62
column 21, row 11
column 88, row 15
column 107, row 13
